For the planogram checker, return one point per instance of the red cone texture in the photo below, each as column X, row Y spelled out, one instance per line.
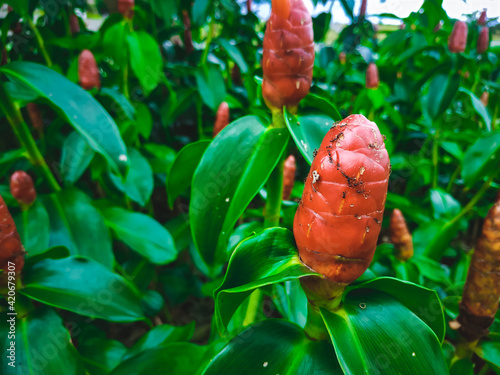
column 483, row 40
column 221, row 118
column 340, row 215
column 11, row 248
column 372, row 80
column 88, row 72
column 288, row 57
column 482, row 18
column 458, row 38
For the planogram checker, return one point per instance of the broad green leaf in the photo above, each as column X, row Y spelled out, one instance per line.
column 234, row 53
column 101, row 355
column 413, row 211
column 441, row 91
column 76, row 224
column 142, row 234
column 144, row 121
column 57, row 252
column 42, row 345
column 164, row 9
column 77, row 106
column 34, row 228
column 479, row 107
column 266, row 258
column 373, row 333
column 122, row 105
column 308, row 132
column 433, row 238
column 139, row 183
column 162, row 157
column 481, row 159
column 274, row 347
column 291, row 301
column 175, row 359
column 145, row 59
column 75, row 158
column 114, row 40
column 432, row 270
column 182, row 171
column 85, row 287
column 232, row 171
column 200, row 11
column 211, row 85
column 423, row 302
column 161, row 335
column 489, row 350
column 323, row 105
column 443, row 204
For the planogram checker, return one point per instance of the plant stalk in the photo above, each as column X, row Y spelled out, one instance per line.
column 209, row 41
column 22, row 132
column 39, row 40
column 315, row 327
column 435, row 150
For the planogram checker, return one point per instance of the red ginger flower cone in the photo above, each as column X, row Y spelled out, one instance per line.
column 126, row 8
column 458, row 38
column 289, row 169
column 372, row 80
column 11, row 249
column 482, row 18
column 482, row 289
column 483, row 40
column 88, row 72
column 221, row 118
column 74, row 24
column 288, row 57
column 338, row 220
column 400, row 236
column 188, row 36
column 22, row 188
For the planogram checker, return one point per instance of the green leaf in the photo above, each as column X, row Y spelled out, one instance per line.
column 291, row 301
column 308, row 132
column 164, row 9
column 101, row 355
column 200, row 11
column 373, row 333
column 234, row 53
column 76, row 224
column 177, row 358
column 441, row 92
column 75, row 158
column 489, row 350
column 85, row 287
column 232, row 171
column 77, row 106
column 42, row 345
column 144, row 120
column 142, row 234
column 57, row 252
column 162, row 157
column 479, row 107
column 145, row 59
column 182, row 171
column 122, row 106
column 481, row 159
column 274, row 347
column 323, row 105
column 443, row 204
column 114, row 40
column 34, row 228
column 161, row 335
column 211, row 85
column 432, row 270
column 139, row 183
column 266, row 258
column 422, row 302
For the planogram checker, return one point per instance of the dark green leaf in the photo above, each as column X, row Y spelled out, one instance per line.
column 85, row 287
column 79, row 108
column 34, row 228
column 122, row 105
column 291, row 301
column 75, row 158
column 266, row 258
column 481, row 159
column 323, row 105
column 373, row 333
column 200, row 11
column 274, row 347
column 145, row 59
column 232, row 171
column 114, row 42
column 235, row 54
column 211, row 85
column 76, row 224
column 164, row 9
column 162, row 157
column 42, row 346
column 142, row 234
column 101, row 355
column 443, row 204
column 441, row 92
column 479, row 107
column 182, row 171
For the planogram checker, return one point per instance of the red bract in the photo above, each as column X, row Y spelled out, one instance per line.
column 483, row 40
column 22, row 188
column 88, row 72
column 288, row 57
column 458, row 38
column 482, row 18
column 362, row 9
column 289, row 170
column 400, row 235
column 35, row 115
column 11, row 249
column 188, row 37
column 74, row 24
column 221, row 118
column 340, row 215
column 126, row 8
column 372, row 80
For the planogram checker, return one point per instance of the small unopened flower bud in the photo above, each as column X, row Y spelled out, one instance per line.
column 221, row 118
column 400, row 236
column 458, row 38
column 482, row 18
column 74, row 24
column 22, row 188
column 126, row 8
column 289, row 176
column 342, row 58
column 483, row 41
column 88, row 72
column 485, row 97
column 372, row 80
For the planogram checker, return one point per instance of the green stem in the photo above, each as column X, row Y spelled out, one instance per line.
column 435, row 150
column 315, row 326
column 125, row 81
column 39, row 40
column 209, row 41
column 199, row 107
column 453, row 178
column 24, row 136
column 253, row 306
